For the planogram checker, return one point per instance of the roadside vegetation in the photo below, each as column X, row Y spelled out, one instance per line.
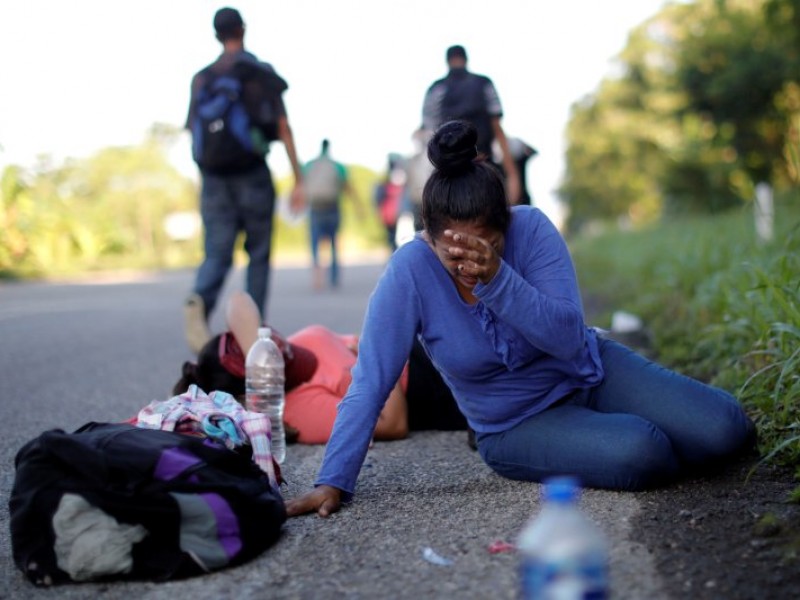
column 702, row 115
column 719, row 304
column 129, row 208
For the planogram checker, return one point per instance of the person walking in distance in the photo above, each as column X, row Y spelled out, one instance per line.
column 418, row 169
column 324, row 181
column 521, row 153
column 236, row 110
column 388, row 196
column 471, row 97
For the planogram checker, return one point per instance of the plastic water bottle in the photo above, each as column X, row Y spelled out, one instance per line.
column 564, row 556
column 264, row 387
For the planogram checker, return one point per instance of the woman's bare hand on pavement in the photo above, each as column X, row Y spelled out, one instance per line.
column 323, row 499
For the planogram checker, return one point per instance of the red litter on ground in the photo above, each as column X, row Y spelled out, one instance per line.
column 500, row 546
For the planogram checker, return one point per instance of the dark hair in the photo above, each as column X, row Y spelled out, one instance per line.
column 228, row 24
column 208, row 373
column 463, row 185
column 456, row 51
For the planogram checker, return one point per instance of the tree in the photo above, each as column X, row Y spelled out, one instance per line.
column 16, row 210
column 107, row 210
column 619, row 138
column 733, row 69
column 703, row 109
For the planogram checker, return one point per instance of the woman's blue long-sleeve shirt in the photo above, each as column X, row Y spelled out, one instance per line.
column 522, row 347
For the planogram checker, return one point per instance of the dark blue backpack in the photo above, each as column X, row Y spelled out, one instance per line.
column 222, row 137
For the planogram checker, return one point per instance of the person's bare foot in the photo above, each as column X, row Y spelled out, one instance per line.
column 318, row 282
column 195, row 323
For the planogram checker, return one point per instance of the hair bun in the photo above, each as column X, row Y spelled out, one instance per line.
column 453, row 147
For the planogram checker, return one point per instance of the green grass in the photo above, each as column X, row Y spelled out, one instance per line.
column 721, row 306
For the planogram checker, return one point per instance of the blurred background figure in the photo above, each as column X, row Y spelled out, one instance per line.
column 388, row 197
column 418, row 169
column 521, row 152
column 325, row 181
column 464, row 95
column 237, row 192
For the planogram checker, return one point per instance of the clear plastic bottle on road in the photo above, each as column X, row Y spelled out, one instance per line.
column 264, row 387
column 564, row 555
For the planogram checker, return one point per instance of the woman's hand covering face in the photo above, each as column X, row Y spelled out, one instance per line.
column 475, row 252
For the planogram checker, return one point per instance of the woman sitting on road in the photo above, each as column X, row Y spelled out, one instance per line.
column 492, row 295
column 318, row 363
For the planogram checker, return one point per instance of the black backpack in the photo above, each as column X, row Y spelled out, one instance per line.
column 235, row 117
column 464, row 99
column 186, row 505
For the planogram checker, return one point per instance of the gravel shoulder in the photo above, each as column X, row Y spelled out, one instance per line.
column 733, row 535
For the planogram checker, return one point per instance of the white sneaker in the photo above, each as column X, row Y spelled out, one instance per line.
column 195, row 324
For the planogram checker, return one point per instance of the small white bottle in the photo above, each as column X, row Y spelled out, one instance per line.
column 264, row 387
column 564, row 555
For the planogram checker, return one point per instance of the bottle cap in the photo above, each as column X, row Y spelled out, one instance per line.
column 561, row 489
column 264, row 332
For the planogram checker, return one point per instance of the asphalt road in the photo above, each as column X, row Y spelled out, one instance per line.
column 99, row 351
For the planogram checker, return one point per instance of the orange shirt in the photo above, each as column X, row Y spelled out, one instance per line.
column 311, row 406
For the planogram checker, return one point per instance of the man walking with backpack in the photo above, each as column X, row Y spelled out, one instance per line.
column 236, row 110
column 471, row 97
column 324, row 181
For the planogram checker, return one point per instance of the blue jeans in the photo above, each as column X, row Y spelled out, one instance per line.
column 230, row 204
column 324, row 223
column 642, row 426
